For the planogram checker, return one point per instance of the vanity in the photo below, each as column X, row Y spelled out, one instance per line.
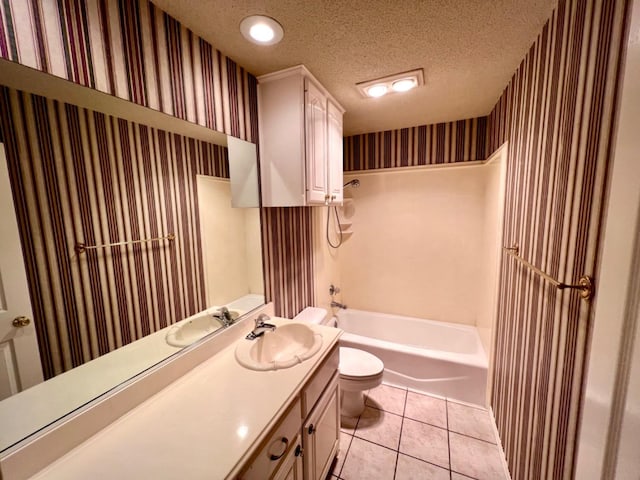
column 224, row 420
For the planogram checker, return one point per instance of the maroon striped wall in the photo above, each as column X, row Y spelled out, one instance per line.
column 82, row 176
column 288, row 251
column 557, row 114
column 461, row 141
column 134, row 51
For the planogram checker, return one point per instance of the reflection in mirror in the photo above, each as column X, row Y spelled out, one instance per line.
column 102, row 315
column 231, row 245
column 245, row 191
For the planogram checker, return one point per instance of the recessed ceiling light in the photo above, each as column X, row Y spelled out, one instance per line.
column 404, row 85
column 396, row 83
column 377, row 90
column 261, row 30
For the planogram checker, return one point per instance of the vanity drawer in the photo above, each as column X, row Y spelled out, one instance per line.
column 273, row 450
column 314, row 388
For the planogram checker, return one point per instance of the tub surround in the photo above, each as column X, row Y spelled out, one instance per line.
column 206, row 424
column 416, row 242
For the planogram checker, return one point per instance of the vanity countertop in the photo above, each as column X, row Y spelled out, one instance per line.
column 207, row 424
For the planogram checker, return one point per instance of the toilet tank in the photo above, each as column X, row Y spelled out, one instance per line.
column 315, row 315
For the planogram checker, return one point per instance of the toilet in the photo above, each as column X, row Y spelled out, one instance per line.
column 359, row 370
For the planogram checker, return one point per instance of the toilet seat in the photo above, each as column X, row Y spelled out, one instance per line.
column 359, row 365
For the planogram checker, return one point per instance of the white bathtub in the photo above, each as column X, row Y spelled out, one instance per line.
column 440, row 358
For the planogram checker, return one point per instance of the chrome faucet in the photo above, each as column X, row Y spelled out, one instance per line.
column 339, row 305
column 224, row 315
column 260, row 327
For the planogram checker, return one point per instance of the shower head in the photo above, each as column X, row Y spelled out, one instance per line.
column 355, row 183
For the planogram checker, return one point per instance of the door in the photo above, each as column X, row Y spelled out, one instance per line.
column 20, row 365
column 315, row 144
column 334, row 159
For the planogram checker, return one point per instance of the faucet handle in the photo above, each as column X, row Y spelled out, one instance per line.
column 262, row 319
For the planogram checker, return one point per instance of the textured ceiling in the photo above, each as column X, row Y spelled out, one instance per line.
column 468, row 49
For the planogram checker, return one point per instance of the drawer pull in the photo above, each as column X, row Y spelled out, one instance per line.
column 298, row 451
column 285, row 441
column 311, row 429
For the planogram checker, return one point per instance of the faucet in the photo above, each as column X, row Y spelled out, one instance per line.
column 339, row 305
column 224, row 315
column 260, row 327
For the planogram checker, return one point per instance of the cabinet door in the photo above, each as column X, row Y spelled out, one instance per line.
column 315, row 111
column 321, row 433
column 291, row 468
column 335, row 153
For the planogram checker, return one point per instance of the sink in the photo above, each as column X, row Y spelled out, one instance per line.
column 189, row 331
column 288, row 345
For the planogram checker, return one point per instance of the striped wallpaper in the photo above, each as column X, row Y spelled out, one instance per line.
column 557, row 115
column 460, row 141
column 136, row 52
column 82, row 176
column 288, row 253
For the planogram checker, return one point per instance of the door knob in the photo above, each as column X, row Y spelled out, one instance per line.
column 20, row 322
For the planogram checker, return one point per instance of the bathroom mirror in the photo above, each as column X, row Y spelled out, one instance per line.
column 130, row 231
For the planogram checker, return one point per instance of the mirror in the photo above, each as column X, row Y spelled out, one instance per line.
column 88, row 171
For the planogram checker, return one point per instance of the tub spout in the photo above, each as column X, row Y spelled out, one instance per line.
column 339, row 305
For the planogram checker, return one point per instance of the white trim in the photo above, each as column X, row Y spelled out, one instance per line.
column 503, row 457
column 433, row 166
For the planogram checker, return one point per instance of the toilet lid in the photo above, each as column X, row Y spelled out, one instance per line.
column 358, row 363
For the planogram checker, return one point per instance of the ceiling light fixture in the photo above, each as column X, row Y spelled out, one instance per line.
column 404, row 85
column 377, row 90
column 396, row 83
column 261, row 30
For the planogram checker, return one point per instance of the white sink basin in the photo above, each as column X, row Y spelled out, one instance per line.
column 288, row 345
column 191, row 330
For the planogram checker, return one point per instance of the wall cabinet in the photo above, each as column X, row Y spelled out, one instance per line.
column 305, row 440
column 300, row 127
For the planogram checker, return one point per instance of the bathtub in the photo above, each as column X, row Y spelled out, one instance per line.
column 439, row 358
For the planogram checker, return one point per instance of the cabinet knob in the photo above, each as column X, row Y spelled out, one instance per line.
column 299, row 451
column 285, row 444
column 311, row 429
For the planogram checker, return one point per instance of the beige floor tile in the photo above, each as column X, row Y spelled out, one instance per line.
column 379, row 427
column 368, row 460
column 457, row 476
column 425, row 442
column 345, row 442
column 388, row 398
column 426, row 409
column 348, row 424
column 475, row 458
column 470, row 421
column 409, row 468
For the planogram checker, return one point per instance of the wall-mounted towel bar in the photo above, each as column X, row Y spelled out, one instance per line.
column 81, row 247
column 585, row 283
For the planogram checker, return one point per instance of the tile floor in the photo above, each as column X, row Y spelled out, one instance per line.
column 405, row 435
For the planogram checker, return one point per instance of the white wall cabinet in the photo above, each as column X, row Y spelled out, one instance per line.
column 300, row 140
